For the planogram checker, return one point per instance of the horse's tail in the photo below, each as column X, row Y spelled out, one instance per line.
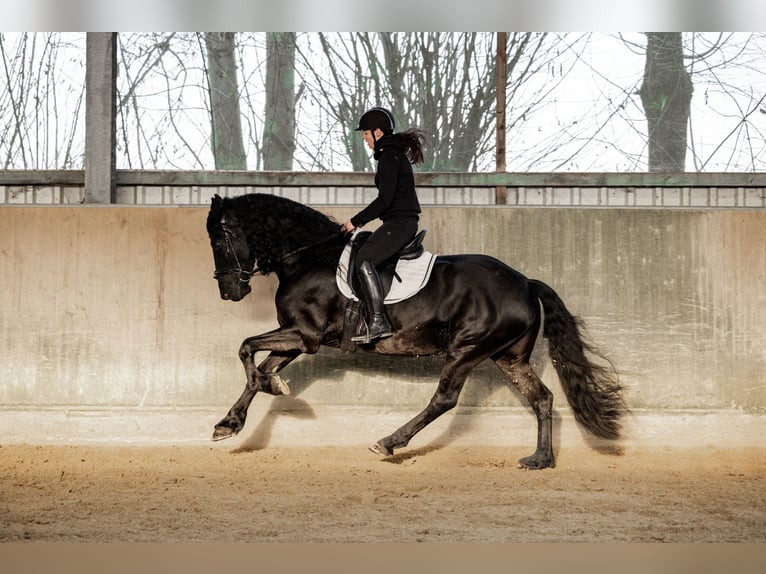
column 593, row 390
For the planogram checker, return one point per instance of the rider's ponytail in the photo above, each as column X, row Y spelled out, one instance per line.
column 414, row 144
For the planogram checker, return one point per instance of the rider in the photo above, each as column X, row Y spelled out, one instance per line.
column 396, row 206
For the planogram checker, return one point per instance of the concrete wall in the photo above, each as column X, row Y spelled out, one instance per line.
column 109, row 315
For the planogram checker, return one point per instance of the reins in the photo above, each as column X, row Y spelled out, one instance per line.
column 295, row 252
column 245, row 276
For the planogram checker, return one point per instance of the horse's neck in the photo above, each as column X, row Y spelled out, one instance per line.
column 301, row 270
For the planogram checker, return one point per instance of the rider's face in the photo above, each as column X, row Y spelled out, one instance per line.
column 367, row 135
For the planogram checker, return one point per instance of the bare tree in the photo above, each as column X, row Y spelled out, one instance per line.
column 446, row 83
column 443, row 83
column 279, row 112
column 163, row 109
column 724, row 131
column 228, row 147
column 42, row 100
column 336, row 85
column 666, row 95
column 727, row 70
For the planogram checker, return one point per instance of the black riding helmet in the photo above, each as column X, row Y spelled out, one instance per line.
column 377, row 118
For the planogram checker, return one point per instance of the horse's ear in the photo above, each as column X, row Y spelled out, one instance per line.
column 217, row 200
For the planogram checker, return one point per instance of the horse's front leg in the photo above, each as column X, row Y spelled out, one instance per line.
column 264, row 378
column 285, row 345
column 234, row 420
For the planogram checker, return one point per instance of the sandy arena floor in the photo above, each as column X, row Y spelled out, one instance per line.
column 449, row 494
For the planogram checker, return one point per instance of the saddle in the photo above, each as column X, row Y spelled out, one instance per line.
column 411, row 267
column 387, row 270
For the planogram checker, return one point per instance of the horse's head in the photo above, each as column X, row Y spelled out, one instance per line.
column 234, row 260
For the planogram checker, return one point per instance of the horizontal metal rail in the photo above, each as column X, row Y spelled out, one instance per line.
column 357, row 179
column 586, row 190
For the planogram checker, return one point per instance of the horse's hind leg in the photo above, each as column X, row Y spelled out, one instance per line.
column 451, row 383
column 520, row 373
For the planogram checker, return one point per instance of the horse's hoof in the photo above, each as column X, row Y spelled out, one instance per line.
column 378, row 448
column 535, row 462
column 221, row 433
column 279, row 386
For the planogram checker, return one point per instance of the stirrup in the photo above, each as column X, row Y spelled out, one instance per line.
column 367, row 338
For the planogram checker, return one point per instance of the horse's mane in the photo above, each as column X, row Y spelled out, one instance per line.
column 275, row 226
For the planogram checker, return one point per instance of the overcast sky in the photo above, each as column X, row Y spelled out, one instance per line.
column 388, row 15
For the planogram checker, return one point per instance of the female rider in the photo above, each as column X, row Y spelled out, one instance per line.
column 396, row 205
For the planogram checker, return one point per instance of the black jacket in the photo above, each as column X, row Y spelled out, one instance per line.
column 395, row 182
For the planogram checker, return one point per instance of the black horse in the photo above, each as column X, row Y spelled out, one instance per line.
column 474, row 307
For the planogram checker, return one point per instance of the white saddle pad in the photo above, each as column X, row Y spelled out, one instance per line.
column 414, row 274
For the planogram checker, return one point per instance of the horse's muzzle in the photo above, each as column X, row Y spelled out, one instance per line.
column 234, row 292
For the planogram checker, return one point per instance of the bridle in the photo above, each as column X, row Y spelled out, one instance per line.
column 245, row 275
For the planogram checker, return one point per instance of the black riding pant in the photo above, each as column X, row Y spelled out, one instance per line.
column 386, row 240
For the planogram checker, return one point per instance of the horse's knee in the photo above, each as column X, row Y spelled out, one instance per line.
column 444, row 401
column 245, row 351
column 543, row 399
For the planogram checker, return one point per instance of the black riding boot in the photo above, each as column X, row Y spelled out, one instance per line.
column 378, row 326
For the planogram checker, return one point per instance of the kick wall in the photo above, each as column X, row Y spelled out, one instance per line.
column 112, row 329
